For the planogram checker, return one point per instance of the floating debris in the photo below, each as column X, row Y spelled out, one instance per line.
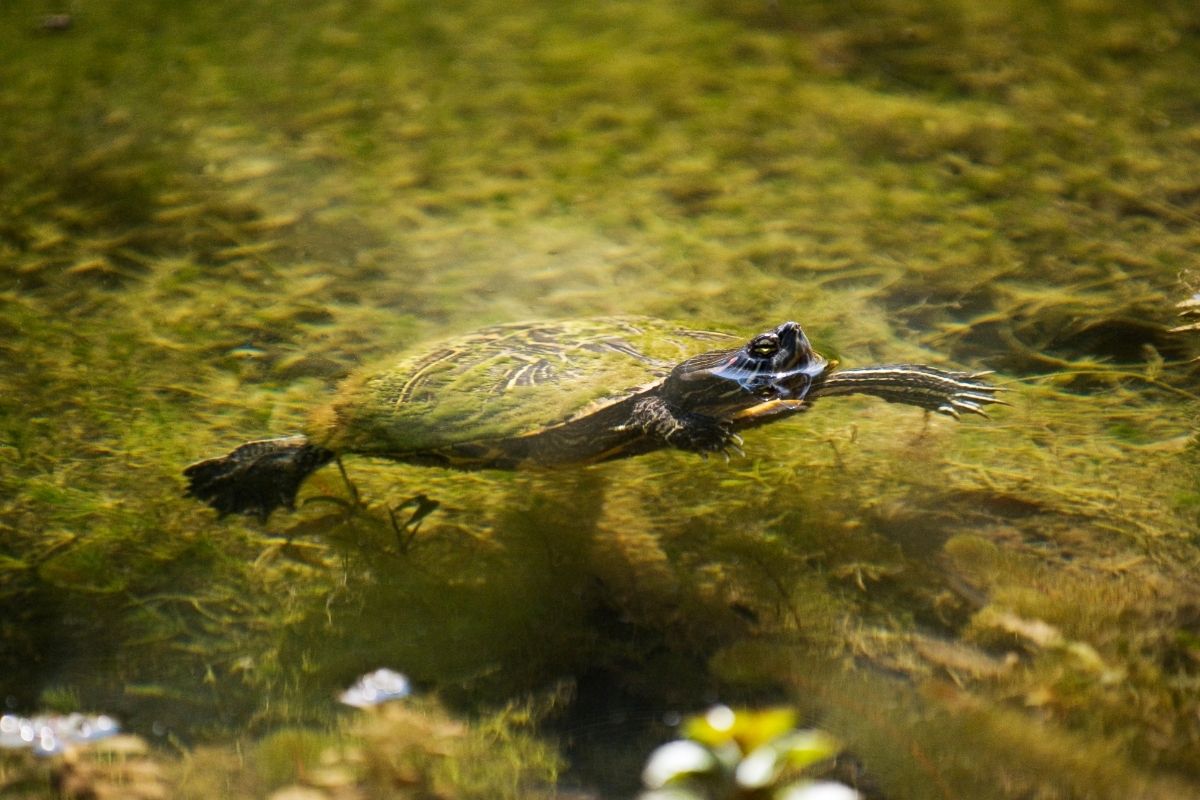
column 248, row 352
column 50, row 734
column 57, row 23
column 376, row 687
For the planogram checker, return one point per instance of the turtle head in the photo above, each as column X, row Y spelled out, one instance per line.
column 776, row 364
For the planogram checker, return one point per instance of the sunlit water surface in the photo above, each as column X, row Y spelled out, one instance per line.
column 210, row 214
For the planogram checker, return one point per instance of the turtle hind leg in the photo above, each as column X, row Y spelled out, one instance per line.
column 257, row 477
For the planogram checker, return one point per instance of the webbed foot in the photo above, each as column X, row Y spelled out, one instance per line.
column 257, row 477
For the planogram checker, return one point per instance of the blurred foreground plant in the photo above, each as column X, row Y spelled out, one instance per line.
column 740, row 755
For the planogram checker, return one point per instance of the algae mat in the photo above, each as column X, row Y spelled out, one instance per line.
column 209, row 214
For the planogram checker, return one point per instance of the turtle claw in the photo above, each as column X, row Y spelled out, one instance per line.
column 948, row 410
column 969, row 405
column 971, row 399
column 982, row 397
column 734, row 445
column 965, row 393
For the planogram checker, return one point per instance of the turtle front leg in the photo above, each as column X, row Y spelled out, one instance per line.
column 696, row 433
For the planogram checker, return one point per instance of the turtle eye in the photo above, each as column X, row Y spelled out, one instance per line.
column 765, row 345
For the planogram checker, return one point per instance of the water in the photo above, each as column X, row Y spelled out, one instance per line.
column 210, row 215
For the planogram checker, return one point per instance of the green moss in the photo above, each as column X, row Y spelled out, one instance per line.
column 289, row 755
column 211, row 214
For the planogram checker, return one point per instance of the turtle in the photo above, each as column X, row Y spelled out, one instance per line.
column 564, row 393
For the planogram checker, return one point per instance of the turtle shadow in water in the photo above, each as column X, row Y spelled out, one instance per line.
column 353, row 522
column 419, row 506
column 486, row 615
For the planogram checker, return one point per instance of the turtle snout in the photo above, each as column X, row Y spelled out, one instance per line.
column 793, row 344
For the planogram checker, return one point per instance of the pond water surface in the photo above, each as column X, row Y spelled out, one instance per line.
column 212, row 213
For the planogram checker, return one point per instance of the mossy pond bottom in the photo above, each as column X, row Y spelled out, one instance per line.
column 211, row 214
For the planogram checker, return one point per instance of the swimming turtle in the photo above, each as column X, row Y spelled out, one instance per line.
column 553, row 394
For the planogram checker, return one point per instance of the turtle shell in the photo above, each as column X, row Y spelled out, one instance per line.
column 503, row 382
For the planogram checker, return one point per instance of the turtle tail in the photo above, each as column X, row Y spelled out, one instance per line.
column 257, row 477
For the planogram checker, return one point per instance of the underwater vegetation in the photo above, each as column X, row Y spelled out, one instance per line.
column 211, row 214
column 410, row 750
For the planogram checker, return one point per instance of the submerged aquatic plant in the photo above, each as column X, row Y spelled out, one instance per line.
column 738, row 755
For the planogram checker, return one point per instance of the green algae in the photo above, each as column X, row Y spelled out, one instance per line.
column 211, row 214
